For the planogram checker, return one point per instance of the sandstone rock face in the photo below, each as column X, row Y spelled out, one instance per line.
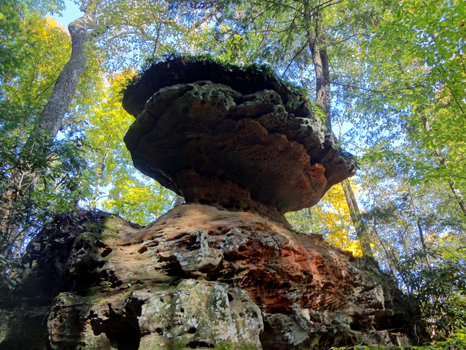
column 201, row 277
column 264, row 150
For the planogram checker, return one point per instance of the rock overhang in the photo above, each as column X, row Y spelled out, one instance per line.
column 238, row 138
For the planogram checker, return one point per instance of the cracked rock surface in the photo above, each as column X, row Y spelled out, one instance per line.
column 230, row 140
column 199, row 277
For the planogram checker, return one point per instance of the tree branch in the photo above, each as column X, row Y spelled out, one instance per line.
column 294, row 57
column 285, row 5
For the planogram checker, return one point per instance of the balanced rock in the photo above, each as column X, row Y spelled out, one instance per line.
column 224, row 271
column 253, row 144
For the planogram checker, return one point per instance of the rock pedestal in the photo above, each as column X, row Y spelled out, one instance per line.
column 201, row 277
column 224, row 271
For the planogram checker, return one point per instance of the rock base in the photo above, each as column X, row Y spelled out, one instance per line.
column 201, row 277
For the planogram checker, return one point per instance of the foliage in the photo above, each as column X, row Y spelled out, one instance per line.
column 406, row 84
column 115, row 185
column 254, row 68
column 401, row 216
column 24, row 92
column 59, row 169
column 277, row 32
column 15, row 35
column 439, row 287
column 60, row 173
column 147, row 30
column 331, row 218
column 457, row 342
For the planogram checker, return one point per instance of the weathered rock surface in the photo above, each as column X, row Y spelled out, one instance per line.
column 249, row 145
column 199, row 277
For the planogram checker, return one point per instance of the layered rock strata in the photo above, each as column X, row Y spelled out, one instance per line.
column 201, row 277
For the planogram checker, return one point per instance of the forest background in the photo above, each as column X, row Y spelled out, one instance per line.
column 389, row 78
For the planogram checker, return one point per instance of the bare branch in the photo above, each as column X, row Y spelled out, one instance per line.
column 294, row 57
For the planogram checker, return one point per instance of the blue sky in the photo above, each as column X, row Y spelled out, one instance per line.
column 70, row 13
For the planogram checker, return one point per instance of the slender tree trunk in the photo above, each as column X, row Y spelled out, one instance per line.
column 418, row 222
column 321, row 67
column 359, row 225
column 388, row 255
column 100, row 177
column 458, row 195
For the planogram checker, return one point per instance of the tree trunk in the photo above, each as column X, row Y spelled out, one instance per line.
column 388, row 255
column 359, row 225
column 418, row 222
column 100, row 177
column 23, row 179
column 321, row 67
column 323, row 99
column 50, row 120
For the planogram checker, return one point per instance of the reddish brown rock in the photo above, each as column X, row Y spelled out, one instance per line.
column 200, row 277
column 242, row 146
column 309, row 292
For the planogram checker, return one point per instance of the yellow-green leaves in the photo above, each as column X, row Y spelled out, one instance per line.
column 330, row 217
column 116, row 185
column 26, row 89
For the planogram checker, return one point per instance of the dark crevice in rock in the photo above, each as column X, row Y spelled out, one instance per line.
column 122, row 329
column 200, row 344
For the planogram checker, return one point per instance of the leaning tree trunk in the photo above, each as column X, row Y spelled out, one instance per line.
column 23, row 180
column 359, row 224
column 50, row 120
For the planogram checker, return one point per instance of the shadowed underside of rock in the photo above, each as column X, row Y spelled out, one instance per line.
column 243, row 146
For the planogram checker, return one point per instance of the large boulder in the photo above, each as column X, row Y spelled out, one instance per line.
column 215, row 276
column 253, row 144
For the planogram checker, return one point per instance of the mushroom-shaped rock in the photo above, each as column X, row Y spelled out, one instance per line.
column 240, row 139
